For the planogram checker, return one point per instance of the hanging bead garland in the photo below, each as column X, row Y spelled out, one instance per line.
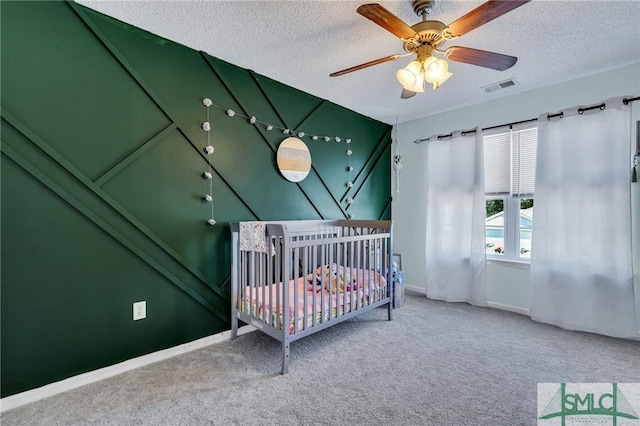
column 208, row 149
column 300, row 134
column 397, row 165
column 349, row 152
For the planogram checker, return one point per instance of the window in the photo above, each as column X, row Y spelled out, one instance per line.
column 509, row 164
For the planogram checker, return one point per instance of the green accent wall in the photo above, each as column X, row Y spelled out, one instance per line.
column 101, row 172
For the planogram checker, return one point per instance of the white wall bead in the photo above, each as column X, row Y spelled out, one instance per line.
column 301, row 135
column 286, row 131
column 207, row 175
column 207, row 102
column 350, row 168
column 211, row 221
column 252, row 120
column 337, row 139
column 208, row 198
column 350, row 200
column 315, row 138
column 347, row 140
column 349, row 152
column 209, row 150
column 206, row 126
column 327, row 138
column 231, row 112
column 269, row 127
column 349, row 184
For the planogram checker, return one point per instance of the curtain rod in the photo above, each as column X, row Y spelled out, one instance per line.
column 549, row 117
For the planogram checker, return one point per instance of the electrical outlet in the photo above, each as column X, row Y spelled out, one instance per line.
column 139, row 310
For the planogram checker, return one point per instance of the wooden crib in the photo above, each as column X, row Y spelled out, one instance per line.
column 332, row 270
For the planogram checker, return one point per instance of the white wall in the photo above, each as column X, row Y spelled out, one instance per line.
column 635, row 210
column 505, row 285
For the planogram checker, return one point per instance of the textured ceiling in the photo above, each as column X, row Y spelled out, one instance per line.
column 300, row 43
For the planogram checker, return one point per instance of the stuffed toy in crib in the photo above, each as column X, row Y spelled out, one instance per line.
column 334, row 279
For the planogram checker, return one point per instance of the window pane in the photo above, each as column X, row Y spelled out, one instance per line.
column 523, row 161
column 526, row 223
column 494, row 226
column 497, row 164
column 510, row 162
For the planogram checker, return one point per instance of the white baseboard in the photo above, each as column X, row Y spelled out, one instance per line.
column 65, row 385
column 420, row 290
column 495, row 305
column 517, row 310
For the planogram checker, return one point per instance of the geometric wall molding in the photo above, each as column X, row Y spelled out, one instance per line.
column 102, row 186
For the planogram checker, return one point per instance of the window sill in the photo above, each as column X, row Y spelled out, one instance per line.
column 509, row 263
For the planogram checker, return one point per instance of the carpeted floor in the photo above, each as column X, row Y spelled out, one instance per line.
column 436, row 363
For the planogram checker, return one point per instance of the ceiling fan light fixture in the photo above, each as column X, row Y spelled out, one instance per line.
column 431, row 70
column 419, row 86
column 414, row 83
column 411, row 77
column 435, row 70
column 437, row 83
column 428, row 61
column 406, row 78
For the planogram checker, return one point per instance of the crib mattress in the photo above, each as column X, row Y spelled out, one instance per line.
column 367, row 289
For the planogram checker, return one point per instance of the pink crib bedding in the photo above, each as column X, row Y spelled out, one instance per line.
column 367, row 288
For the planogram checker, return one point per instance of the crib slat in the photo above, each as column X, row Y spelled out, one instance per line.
column 352, row 274
column 367, row 273
column 245, row 280
column 348, row 300
column 305, row 273
column 296, row 272
column 270, row 281
column 286, row 276
column 343, row 262
column 339, row 281
column 252, row 293
column 261, row 285
column 323, row 281
column 354, row 265
column 360, row 250
column 241, row 282
column 385, row 265
column 278, row 279
column 367, row 269
column 336, row 261
column 331, row 285
column 314, row 256
column 340, row 261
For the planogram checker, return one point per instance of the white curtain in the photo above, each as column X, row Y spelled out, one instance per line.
column 581, row 261
column 455, row 239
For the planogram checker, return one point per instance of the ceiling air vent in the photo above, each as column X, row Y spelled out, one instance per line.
column 501, row 85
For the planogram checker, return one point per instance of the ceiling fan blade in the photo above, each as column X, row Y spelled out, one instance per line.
column 481, row 58
column 406, row 94
column 387, row 20
column 365, row 65
column 481, row 15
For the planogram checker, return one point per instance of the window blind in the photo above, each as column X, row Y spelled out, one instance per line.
column 510, row 162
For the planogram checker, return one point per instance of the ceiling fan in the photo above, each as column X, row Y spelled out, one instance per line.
column 424, row 38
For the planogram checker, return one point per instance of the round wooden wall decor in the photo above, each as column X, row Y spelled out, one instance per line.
column 294, row 159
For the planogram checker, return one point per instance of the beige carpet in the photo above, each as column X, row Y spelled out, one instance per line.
column 436, row 363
